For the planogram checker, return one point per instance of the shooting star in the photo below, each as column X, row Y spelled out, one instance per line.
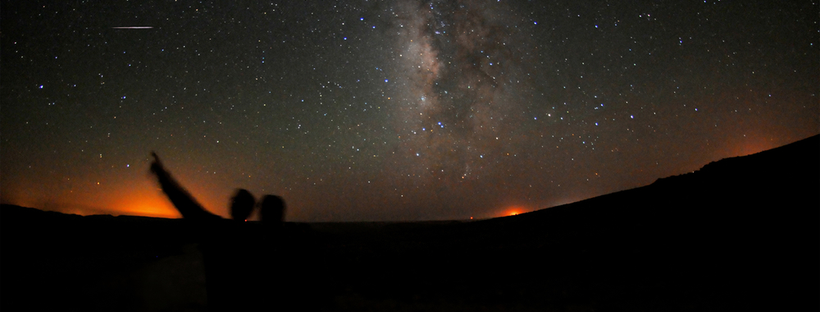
column 133, row 27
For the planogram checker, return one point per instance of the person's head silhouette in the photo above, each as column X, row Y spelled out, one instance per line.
column 242, row 205
column 272, row 209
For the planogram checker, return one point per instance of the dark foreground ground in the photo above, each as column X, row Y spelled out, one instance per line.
column 739, row 234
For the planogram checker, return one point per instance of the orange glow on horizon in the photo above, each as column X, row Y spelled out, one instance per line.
column 514, row 211
column 140, row 198
column 751, row 142
column 750, row 148
column 148, row 207
column 147, row 199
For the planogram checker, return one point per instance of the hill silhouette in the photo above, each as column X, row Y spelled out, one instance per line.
column 738, row 234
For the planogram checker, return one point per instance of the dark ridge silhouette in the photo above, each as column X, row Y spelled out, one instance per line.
column 738, row 234
column 53, row 261
column 741, row 233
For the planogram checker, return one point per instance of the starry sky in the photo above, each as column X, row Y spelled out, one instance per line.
column 391, row 110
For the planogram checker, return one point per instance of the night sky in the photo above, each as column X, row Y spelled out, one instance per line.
column 391, row 110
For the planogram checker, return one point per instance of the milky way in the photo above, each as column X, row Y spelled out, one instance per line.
column 461, row 82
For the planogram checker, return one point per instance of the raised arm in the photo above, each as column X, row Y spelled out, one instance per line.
column 182, row 200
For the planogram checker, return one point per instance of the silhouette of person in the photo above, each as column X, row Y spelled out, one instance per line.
column 242, row 204
column 227, row 246
column 272, row 210
column 296, row 261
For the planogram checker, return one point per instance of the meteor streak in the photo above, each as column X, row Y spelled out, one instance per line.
column 133, row 27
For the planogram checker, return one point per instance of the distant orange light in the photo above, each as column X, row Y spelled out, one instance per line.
column 514, row 211
column 510, row 211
